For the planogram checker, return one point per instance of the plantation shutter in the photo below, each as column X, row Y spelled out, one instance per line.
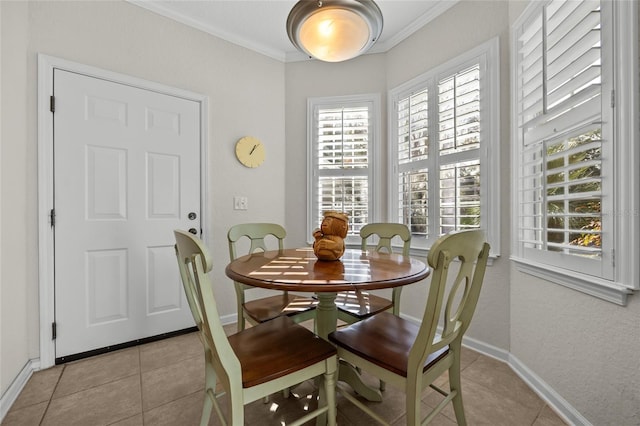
column 342, row 155
column 560, row 124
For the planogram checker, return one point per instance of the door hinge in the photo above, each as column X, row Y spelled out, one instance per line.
column 613, row 98
column 52, row 217
column 54, row 331
column 52, row 104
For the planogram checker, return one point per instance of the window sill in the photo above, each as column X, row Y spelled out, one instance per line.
column 602, row 289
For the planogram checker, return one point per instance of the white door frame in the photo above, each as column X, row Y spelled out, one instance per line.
column 46, row 65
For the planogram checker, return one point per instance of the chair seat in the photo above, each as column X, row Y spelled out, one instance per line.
column 291, row 348
column 268, row 308
column 384, row 340
column 361, row 304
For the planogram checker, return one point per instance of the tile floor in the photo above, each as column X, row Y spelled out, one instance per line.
column 161, row 383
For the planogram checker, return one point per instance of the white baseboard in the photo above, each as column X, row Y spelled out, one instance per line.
column 560, row 405
column 229, row 319
column 12, row 393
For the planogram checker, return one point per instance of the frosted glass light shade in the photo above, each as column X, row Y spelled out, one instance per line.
column 334, row 30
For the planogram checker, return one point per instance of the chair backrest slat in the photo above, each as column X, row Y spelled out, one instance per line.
column 459, row 261
column 256, row 233
column 385, row 233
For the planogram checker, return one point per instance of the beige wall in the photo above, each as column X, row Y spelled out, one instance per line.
column 584, row 348
column 17, row 274
column 124, row 38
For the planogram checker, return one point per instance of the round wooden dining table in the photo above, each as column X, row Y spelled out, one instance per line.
column 298, row 270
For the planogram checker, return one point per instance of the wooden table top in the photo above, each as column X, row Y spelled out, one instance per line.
column 299, row 270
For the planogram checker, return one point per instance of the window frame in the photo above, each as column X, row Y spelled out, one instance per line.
column 372, row 101
column 624, row 250
column 487, row 55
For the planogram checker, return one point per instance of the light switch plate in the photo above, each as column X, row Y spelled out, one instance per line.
column 240, row 203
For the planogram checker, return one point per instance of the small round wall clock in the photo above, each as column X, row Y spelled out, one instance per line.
column 250, row 151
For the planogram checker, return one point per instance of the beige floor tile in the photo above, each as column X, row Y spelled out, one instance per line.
column 280, row 410
column 98, row 370
column 341, row 420
column 391, row 408
column 172, row 382
column 39, row 388
column 183, row 411
column 482, row 406
column 499, row 377
column 230, row 329
column 26, row 416
column 167, row 379
column 131, row 421
column 439, row 420
column 468, row 357
column 164, row 352
column 101, row 405
column 548, row 417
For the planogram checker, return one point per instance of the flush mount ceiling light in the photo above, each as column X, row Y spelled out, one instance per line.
column 334, row 30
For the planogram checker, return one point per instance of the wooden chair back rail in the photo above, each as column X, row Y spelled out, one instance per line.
column 356, row 307
column 386, row 232
column 264, row 309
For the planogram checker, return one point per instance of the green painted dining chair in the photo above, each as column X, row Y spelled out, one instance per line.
column 355, row 306
column 410, row 356
column 298, row 308
column 256, row 362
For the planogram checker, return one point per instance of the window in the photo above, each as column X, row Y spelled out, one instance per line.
column 444, row 148
column 342, row 142
column 569, row 143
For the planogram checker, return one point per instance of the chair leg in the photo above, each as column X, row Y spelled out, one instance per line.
column 456, row 386
column 413, row 406
column 210, row 392
column 330, row 393
column 206, row 409
column 240, row 324
column 236, row 408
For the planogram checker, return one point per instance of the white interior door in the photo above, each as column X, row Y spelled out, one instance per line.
column 127, row 173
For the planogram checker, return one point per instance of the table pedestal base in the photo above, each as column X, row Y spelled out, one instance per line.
column 326, row 319
column 347, row 373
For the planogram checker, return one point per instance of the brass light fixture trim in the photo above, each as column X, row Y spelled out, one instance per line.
column 334, row 30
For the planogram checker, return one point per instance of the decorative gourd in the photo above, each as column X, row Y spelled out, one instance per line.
column 329, row 238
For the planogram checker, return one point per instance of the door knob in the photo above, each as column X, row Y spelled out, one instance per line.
column 193, row 231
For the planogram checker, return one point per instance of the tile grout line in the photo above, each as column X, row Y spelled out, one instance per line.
column 64, row 367
column 140, row 380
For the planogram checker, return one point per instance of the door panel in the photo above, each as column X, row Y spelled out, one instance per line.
column 127, row 173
